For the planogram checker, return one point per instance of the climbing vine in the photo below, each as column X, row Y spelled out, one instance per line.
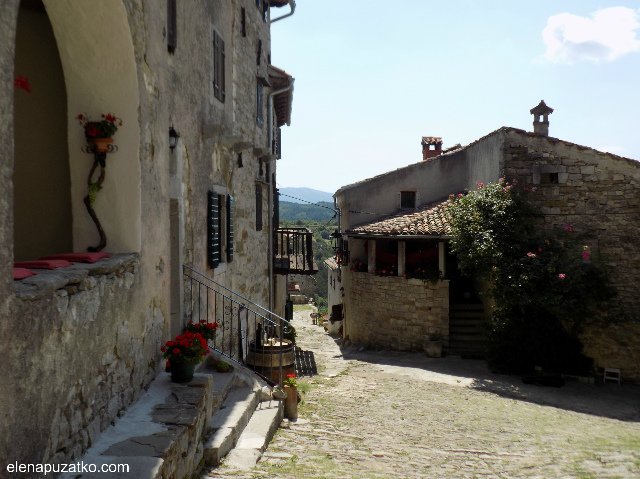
column 546, row 284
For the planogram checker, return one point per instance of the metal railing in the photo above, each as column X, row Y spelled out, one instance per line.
column 294, row 251
column 248, row 334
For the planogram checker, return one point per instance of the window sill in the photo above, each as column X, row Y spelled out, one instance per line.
column 73, row 278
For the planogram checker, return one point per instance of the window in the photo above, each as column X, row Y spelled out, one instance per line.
column 407, row 199
column 243, row 21
column 549, row 178
column 172, row 35
column 259, row 102
column 218, row 66
column 219, row 229
column 258, row 207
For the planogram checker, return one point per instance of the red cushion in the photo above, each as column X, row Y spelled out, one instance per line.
column 21, row 273
column 78, row 257
column 42, row 264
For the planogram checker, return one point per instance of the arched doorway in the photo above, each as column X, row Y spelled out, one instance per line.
column 42, row 187
column 95, row 72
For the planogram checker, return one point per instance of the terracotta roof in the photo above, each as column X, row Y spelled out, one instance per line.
column 429, row 220
column 331, row 263
column 282, row 102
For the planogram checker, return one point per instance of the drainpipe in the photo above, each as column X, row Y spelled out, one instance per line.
column 292, row 5
column 271, row 185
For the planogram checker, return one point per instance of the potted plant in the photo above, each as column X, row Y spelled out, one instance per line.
column 433, row 345
column 291, row 400
column 205, row 329
column 99, row 133
column 184, row 353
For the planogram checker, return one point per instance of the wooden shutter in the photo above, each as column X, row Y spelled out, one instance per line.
column 229, row 228
column 218, row 67
column 172, row 32
column 258, row 207
column 259, row 101
column 213, row 230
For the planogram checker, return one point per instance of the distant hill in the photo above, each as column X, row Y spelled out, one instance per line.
column 308, row 194
column 302, row 211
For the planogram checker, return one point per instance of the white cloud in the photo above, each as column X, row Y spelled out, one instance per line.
column 608, row 34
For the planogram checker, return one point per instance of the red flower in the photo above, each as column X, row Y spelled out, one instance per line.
column 176, row 351
column 291, row 375
column 163, row 349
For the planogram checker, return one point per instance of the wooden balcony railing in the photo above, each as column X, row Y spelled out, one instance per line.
column 294, row 251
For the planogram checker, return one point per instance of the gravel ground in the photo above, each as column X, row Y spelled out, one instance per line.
column 385, row 414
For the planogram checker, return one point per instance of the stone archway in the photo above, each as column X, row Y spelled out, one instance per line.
column 97, row 56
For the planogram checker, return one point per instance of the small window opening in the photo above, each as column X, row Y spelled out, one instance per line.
column 407, row 199
column 549, row 178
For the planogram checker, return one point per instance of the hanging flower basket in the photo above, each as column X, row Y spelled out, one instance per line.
column 101, row 145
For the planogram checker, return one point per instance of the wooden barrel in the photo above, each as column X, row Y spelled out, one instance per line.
column 266, row 359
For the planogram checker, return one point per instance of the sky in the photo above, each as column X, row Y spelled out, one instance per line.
column 372, row 77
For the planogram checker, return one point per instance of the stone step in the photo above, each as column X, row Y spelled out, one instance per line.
column 162, row 434
column 256, row 437
column 228, row 423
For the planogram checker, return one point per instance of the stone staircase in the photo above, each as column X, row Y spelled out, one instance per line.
column 175, row 430
column 466, row 330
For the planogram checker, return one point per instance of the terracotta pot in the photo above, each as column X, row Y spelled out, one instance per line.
column 291, row 402
column 101, row 144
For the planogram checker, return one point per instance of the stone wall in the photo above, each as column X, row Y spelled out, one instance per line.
column 395, row 313
column 79, row 344
column 81, row 360
column 598, row 194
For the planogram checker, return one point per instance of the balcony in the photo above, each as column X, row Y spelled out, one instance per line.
column 293, row 252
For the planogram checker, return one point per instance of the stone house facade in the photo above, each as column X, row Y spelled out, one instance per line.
column 80, row 343
column 597, row 193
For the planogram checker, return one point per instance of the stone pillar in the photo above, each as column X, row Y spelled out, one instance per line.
column 402, row 257
column 441, row 258
column 371, row 259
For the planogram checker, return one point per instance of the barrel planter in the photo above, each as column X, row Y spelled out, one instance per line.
column 266, row 359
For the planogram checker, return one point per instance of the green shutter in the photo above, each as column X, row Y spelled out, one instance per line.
column 213, row 230
column 229, row 228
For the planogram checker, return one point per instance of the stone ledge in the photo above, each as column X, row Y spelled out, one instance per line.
column 74, row 278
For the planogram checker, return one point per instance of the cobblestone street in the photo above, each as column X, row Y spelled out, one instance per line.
column 384, row 414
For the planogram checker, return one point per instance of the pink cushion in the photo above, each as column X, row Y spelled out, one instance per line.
column 21, row 273
column 78, row 257
column 42, row 264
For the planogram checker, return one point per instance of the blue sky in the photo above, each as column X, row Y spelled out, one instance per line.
column 373, row 77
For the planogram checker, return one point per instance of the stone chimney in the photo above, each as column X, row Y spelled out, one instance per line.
column 541, row 127
column 431, row 146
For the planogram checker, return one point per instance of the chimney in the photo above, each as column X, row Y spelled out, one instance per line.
column 541, row 127
column 431, row 146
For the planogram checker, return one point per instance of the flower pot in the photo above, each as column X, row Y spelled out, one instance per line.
column 291, row 402
column 433, row 349
column 100, row 144
column 182, row 371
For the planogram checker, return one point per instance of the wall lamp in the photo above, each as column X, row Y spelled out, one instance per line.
column 173, row 138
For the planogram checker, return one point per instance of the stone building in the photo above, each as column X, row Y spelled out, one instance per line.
column 80, row 343
column 394, row 218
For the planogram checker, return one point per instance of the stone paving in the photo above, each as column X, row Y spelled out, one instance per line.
column 384, row 414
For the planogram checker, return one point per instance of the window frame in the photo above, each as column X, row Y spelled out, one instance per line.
column 218, row 66
column 220, row 229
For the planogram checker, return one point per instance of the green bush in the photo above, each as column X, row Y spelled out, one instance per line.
column 546, row 284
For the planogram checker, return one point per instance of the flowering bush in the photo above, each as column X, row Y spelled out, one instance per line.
column 386, row 270
column 104, row 128
column 358, row 266
column 545, row 284
column 205, row 329
column 187, row 346
column 290, row 380
column 427, row 274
